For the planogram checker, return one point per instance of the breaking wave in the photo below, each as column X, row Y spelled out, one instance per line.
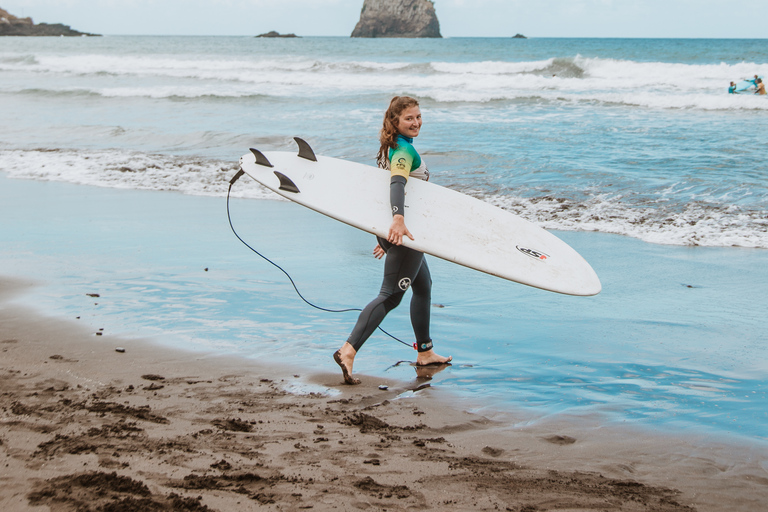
column 563, row 79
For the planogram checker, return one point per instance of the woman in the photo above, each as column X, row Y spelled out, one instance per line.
column 403, row 267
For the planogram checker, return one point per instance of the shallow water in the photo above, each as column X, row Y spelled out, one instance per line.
column 675, row 339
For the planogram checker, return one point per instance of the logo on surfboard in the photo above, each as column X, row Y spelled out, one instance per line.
column 537, row 255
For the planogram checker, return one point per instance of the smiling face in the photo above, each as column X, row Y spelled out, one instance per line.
column 409, row 122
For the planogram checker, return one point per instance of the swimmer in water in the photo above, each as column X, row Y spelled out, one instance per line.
column 760, row 87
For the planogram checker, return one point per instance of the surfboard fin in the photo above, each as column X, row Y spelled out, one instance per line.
column 304, row 150
column 260, row 158
column 286, row 183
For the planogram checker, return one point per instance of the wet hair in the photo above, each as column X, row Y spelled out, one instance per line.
column 389, row 132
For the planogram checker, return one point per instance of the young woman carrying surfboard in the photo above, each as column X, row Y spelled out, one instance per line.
column 403, row 267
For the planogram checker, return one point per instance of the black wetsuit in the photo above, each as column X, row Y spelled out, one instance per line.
column 403, row 267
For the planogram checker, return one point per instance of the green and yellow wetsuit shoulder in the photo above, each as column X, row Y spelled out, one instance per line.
column 403, row 158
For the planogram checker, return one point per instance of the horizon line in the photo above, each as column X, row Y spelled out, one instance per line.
column 420, row 38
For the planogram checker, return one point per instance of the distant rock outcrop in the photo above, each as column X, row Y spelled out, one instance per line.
column 397, row 18
column 272, row 33
column 10, row 25
column 519, row 36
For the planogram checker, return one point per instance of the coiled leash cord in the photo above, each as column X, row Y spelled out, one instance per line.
column 229, row 217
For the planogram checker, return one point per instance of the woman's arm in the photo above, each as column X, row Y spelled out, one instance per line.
column 400, row 167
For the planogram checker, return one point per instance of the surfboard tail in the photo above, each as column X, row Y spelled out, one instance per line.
column 305, row 151
column 286, row 183
column 260, row 158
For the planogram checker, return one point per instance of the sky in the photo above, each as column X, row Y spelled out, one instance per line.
column 458, row 18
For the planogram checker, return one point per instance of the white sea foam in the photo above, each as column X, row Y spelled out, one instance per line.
column 130, row 170
column 491, row 67
column 696, row 223
column 699, row 222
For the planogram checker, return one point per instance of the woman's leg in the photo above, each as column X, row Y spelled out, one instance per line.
column 421, row 307
column 401, row 268
column 421, row 304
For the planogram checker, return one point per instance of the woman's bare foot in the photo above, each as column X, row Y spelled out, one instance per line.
column 429, row 357
column 345, row 357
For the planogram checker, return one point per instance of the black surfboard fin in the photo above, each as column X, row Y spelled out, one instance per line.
column 286, row 183
column 304, row 150
column 260, row 158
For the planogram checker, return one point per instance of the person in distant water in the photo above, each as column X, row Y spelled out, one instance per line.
column 732, row 88
column 404, row 268
column 760, row 86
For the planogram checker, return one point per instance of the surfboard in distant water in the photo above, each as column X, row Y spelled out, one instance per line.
column 445, row 223
column 746, row 85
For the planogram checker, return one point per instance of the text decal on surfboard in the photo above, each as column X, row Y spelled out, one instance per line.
column 538, row 255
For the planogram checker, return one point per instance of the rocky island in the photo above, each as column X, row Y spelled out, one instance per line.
column 273, row 33
column 397, row 18
column 10, row 25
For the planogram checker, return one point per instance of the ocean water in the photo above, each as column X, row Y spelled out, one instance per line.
column 116, row 153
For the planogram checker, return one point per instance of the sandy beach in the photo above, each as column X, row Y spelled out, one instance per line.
column 87, row 427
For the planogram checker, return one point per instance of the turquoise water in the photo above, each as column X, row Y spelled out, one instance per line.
column 115, row 156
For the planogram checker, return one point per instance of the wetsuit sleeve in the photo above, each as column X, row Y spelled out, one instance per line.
column 397, row 194
column 401, row 162
column 400, row 165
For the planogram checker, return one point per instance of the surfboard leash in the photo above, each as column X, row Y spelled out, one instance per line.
column 281, row 269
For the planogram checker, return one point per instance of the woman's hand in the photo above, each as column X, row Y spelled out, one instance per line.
column 378, row 252
column 397, row 230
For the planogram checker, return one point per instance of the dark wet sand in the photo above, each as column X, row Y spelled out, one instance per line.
column 84, row 427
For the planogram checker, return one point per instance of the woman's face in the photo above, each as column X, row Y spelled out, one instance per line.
column 409, row 122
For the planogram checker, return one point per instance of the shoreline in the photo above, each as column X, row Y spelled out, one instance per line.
column 167, row 426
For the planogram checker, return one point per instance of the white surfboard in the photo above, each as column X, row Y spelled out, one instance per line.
column 444, row 223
